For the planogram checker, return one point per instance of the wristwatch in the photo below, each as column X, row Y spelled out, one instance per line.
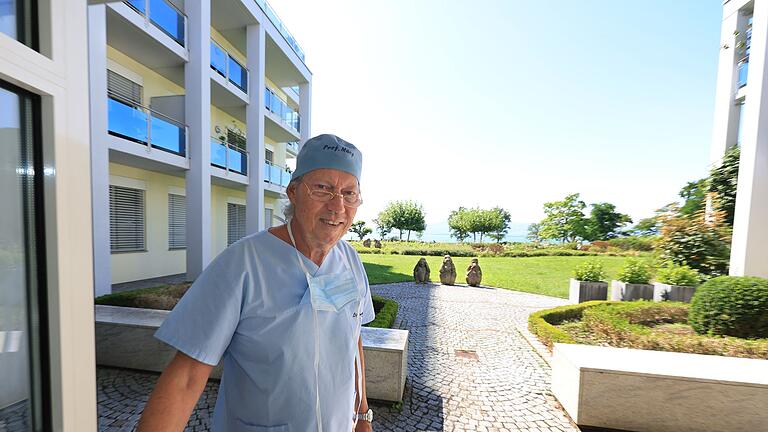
column 367, row 416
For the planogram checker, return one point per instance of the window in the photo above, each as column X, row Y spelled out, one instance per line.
column 18, row 19
column 177, row 221
column 269, row 155
column 24, row 377
column 235, row 222
column 124, row 88
column 236, row 139
column 126, row 219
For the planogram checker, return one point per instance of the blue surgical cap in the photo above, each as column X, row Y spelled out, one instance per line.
column 330, row 152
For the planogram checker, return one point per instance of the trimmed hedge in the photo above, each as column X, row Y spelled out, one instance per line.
column 732, row 306
column 386, row 312
column 542, row 323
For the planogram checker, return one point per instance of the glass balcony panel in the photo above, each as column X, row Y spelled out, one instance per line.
column 276, row 172
column 167, row 135
column 743, row 72
column 126, row 121
column 139, row 5
column 286, row 178
column 267, row 172
column 238, row 75
column 267, row 98
column 218, row 59
column 276, row 106
column 238, row 161
column 168, row 19
column 218, row 154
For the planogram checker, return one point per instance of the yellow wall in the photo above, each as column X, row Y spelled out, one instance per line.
column 158, row 260
column 222, row 120
column 224, row 43
column 154, row 84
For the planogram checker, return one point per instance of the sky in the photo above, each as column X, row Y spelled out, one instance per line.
column 514, row 103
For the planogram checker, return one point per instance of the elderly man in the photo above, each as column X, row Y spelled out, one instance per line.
column 284, row 308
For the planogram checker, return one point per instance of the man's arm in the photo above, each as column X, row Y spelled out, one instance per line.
column 175, row 395
column 361, row 425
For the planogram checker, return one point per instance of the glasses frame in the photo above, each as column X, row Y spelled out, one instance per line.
column 333, row 195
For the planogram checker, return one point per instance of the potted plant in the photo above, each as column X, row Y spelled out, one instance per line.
column 588, row 283
column 633, row 282
column 676, row 283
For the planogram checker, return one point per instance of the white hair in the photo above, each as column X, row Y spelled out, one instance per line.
column 288, row 208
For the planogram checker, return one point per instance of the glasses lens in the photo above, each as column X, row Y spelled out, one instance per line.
column 321, row 195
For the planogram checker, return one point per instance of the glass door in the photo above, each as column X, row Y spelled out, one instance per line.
column 23, row 341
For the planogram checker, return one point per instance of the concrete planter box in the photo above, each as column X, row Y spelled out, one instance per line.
column 622, row 291
column 125, row 338
column 678, row 293
column 655, row 391
column 582, row 291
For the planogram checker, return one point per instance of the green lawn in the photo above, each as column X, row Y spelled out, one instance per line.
column 540, row 275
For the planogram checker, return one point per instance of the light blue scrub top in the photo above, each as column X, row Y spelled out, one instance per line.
column 252, row 306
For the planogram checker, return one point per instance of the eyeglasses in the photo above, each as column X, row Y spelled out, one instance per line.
column 349, row 198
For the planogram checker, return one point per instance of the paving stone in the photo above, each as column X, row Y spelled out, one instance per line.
column 497, row 383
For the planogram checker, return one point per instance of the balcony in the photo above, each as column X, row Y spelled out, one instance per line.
column 281, row 28
column 164, row 16
column 229, row 68
column 743, row 69
column 133, row 122
column 292, row 147
column 283, row 115
column 276, row 174
column 228, row 157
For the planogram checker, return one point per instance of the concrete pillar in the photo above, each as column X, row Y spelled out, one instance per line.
column 198, row 118
column 256, row 39
column 97, row 71
column 305, row 110
column 749, row 253
column 726, row 122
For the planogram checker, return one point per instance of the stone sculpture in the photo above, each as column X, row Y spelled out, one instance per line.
column 421, row 271
column 447, row 271
column 367, row 242
column 474, row 273
column 377, row 244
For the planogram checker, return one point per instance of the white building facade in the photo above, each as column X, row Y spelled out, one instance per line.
column 741, row 118
column 197, row 111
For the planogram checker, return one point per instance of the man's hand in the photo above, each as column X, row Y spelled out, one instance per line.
column 363, row 426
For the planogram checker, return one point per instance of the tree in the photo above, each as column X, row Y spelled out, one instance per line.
column 604, row 222
column 360, row 229
column 404, row 216
column 694, row 196
column 499, row 223
column 723, row 181
column 647, row 227
column 458, row 224
column 564, row 220
column 534, row 233
column 382, row 228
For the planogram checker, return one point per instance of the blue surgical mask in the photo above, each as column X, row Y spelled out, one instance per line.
column 332, row 292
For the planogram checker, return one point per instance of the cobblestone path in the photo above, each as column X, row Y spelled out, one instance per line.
column 469, row 368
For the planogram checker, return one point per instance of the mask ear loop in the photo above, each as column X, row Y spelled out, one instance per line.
column 318, row 412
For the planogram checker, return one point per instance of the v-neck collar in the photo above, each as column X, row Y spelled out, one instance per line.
column 314, row 268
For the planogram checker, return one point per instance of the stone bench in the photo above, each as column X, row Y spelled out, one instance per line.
column 655, row 391
column 124, row 338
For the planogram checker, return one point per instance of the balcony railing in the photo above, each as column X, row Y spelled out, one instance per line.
column 227, row 156
column 223, row 63
column 164, row 15
column 743, row 72
column 293, row 146
column 276, row 174
column 287, row 115
column 281, row 27
column 142, row 125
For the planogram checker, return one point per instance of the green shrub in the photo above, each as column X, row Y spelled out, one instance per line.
column 590, row 271
column 678, row 275
column 386, row 312
column 634, row 272
column 542, row 323
column 636, row 243
column 733, row 306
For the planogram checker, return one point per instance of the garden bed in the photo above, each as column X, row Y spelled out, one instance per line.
column 640, row 325
column 165, row 297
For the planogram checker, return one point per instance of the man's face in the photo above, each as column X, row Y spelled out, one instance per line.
column 322, row 224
